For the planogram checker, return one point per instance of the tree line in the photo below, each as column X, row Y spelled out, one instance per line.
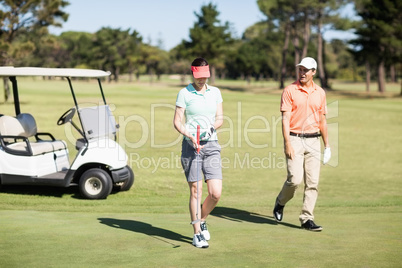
column 269, row 49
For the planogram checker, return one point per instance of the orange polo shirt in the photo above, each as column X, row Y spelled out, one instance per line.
column 306, row 106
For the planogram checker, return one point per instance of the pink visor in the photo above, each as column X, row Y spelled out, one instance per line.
column 200, row 71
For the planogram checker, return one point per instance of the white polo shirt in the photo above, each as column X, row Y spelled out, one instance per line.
column 200, row 109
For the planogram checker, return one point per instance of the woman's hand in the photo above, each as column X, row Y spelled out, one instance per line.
column 195, row 144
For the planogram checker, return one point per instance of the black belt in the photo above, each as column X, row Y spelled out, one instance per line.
column 305, row 135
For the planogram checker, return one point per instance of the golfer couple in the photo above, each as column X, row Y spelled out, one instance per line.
column 303, row 107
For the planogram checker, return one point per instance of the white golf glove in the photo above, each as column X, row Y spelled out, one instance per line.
column 204, row 136
column 327, row 155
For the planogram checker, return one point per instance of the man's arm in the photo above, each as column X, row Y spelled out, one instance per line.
column 325, row 139
column 324, row 130
column 289, row 152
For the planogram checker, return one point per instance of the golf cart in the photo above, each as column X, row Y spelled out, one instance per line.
column 29, row 157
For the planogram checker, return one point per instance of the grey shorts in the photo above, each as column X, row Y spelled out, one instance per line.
column 208, row 161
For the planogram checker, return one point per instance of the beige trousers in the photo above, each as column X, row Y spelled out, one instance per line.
column 304, row 166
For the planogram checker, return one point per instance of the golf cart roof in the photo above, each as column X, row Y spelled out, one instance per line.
column 57, row 72
column 13, row 72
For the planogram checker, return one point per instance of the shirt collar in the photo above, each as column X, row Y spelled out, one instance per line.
column 308, row 90
column 191, row 88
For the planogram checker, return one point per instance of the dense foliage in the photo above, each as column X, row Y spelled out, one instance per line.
column 268, row 49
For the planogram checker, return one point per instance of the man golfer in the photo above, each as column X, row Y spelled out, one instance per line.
column 303, row 107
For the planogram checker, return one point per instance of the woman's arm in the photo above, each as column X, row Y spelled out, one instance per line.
column 219, row 116
column 178, row 124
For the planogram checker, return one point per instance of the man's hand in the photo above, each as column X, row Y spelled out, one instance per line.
column 327, row 155
column 289, row 152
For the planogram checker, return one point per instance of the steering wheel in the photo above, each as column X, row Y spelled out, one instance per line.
column 66, row 117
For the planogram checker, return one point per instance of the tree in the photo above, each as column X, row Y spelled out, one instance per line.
column 297, row 19
column 257, row 54
column 154, row 59
column 278, row 14
column 209, row 38
column 294, row 19
column 133, row 53
column 380, row 35
column 179, row 62
column 115, row 50
column 19, row 17
column 76, row 49
column 340, row 63
column 326, row 12
column 249, row 59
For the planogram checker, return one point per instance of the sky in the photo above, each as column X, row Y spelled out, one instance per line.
column 168, row 21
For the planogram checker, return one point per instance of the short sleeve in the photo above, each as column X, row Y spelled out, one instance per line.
column 324, row 109
column 219, row 98
column 180, row 100
column 286, row 100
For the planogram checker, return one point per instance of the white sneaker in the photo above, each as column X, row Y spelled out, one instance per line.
column 204, row 230
column 199, row 241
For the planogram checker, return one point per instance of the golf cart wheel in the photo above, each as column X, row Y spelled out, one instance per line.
column 126, row 185
column 95, row 183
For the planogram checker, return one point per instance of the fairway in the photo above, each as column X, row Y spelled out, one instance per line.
column 359, row 203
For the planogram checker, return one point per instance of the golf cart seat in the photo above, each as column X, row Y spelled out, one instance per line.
column 16, row 131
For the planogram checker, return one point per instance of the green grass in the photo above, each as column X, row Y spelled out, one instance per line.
column 359, row 203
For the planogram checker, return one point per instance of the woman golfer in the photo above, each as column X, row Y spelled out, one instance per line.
column 201, row 105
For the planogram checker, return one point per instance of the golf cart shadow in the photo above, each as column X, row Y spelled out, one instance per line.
column 238, row 215
column 40, row 190
column 147, row 229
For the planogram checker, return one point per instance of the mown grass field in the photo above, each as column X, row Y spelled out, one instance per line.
column 359, row 204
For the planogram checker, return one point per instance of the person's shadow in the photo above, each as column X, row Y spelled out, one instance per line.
column 147, row 229
column 234, row 214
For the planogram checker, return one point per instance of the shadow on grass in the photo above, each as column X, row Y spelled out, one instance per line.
column 234, row 214
column 236, row 89
column 350, row 94
column 40, row 190
column 147, row 229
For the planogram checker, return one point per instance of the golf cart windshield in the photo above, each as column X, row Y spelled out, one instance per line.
column 97, row 121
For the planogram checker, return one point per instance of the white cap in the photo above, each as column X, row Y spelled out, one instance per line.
column 309, row 63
